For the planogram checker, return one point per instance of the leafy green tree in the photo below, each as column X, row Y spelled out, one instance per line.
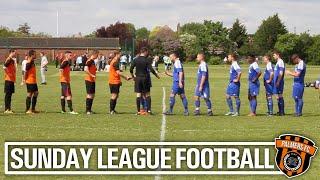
column 142, row 33
column 267, row 34
column 313, row 52
column 189, row 45
column 238, row 34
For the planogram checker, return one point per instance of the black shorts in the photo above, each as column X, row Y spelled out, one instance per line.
column 31, row 88
column 9, row 87
column 65, row 89
column 90, row 87
column 141, row 85
column 114, row 88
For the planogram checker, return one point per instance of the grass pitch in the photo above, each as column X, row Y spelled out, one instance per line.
column 50, row 125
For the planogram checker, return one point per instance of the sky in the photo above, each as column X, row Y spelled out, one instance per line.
column 86, row 16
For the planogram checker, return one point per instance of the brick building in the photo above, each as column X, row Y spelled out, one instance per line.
column 53, row 46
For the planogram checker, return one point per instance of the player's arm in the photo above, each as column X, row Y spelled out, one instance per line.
column 153, row 71
column 203, row 79
column 257, row 77
column 181, row 79
column 238, row 77
column 271, row 77
column 7, row 62
column 133, row 65
column 86, row 69
column 63, row 65
column 168, row 73
column 294, row 74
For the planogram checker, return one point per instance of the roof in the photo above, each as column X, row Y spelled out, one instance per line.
column 60, row 43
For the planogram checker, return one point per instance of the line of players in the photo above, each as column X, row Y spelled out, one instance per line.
column 273, row 81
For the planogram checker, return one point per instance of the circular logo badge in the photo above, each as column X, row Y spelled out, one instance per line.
column 292, row 161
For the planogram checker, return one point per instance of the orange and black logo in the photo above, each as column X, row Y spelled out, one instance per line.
column 294, row 154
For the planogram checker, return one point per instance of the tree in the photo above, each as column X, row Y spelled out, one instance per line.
column 267, row 34
column 238, row 34
column 142, row 33
column 313, row 52
column 164, row 40
column 24, row 29
column 289, row 44
column 117, row 30
column 189, row 45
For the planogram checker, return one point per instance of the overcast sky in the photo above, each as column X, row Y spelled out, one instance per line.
column 86, row 15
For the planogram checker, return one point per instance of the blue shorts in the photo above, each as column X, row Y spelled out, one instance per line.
column 269, row 88
column 254, row 89
column 205, row 93
column 278, row 90
column 297, row 90
column 233, row 89
column 176, row 89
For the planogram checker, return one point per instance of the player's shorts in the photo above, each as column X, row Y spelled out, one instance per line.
column 205, row 93
column 233, row 89
column 114, row 88
column 254, row 89
column 297, row 90
column 31, row 88
column 279, row 89
column 176, row 89
column 141, row 85
column 269, row 88
column 90, row 87
column 9, row 87
column 65, row 89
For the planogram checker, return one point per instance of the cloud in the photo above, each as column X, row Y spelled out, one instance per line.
column 87, row 15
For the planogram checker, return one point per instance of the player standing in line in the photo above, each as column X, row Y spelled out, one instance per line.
column 233, row 89
column 115, row 80
column 30, row 78
column 298, row 83
column 9, row 68
column 65, row 68
column 268, row 83
column 202, row 89
column 178, row 84
column 278, row 82
column 90, row 80
column 254, row 83
column 141, row 64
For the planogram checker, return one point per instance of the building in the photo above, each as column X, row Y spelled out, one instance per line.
column 53, row 46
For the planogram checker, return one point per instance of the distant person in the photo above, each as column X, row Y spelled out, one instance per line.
column 23, row 69
column 78, row 63
column 66, row 95
column 167, row 63
column 123, row 62
column 9, row 68
column 43, row 68
column 31, row 82
column 115, row 83
column 84, row 60
column 90, row 80
column 298, row 83
column 58, row 59
column 155, row 63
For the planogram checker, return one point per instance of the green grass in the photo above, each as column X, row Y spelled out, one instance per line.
column 52, row 126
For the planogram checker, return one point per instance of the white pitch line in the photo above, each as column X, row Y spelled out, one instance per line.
column 163, row 125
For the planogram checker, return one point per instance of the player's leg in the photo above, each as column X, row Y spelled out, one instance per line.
column 113, row 102
column 62, row 98
column 197, row 105
column 172, row 101
column 90, row 86
column 8, row 90
column 206, row 97
column 269, row 104
column 185, row 103
column 69, row 99
column 280, row 104
column 229, row 93
column 34, row 101
column 28, row 99
column 138, row 102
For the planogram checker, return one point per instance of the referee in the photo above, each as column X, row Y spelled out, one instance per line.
column 141, row 65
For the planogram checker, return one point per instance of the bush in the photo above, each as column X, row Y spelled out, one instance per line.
column 215, row 60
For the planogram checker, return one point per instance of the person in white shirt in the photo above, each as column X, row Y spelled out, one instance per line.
column 123, row 62
column 23, row 69
column 43, row 68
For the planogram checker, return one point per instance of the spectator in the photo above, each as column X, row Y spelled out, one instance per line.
column 84, row 60
column 167, row 63
column 78, row 63
column 43, row 67
column 155, row 63
column 123, row 62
